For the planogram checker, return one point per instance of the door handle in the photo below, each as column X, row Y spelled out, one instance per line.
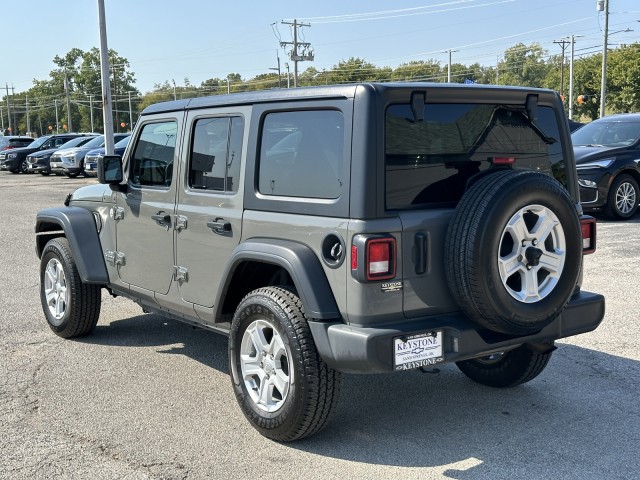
column 163, row 219
column 219, row 225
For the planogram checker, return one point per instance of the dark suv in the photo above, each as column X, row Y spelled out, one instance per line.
column 359, row 228
column 16, row 160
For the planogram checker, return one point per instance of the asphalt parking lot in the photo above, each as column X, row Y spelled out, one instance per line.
column 144, row 397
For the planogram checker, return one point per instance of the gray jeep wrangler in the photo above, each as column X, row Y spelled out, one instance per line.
column 356, row 228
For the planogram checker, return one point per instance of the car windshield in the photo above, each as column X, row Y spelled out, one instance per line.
column 75, row 142
column 39, row 141
column 95, row 142
column 607, row 133
column 123, row 143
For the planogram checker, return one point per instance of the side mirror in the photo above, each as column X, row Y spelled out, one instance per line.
column 110, row 169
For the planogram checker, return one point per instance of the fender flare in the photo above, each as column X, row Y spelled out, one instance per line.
column 80, row 230
column 299, row 261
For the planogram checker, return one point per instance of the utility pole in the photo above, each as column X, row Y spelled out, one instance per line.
column 8, row 108
column 573, row 42
column 563, row 45
column 600, row 6
column 305, row 55
column 91, row 111
column 66, row 91
column 278, row 69
column 13, row 101
column 449, row 65
column 55, row 102
column 288, row 79
column 26, row 105
column 130, row 114
column 175, row 97
column 2, row 119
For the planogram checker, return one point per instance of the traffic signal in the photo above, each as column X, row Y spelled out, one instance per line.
column 583, row 98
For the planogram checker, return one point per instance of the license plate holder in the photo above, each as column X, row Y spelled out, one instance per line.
column 419, row 350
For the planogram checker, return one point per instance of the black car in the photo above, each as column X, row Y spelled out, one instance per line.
column 38, row 162
column 15, row 160
column 607, row 154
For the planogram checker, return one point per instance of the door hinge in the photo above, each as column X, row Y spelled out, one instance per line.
column 180, row 273
column 114, row 258
column 116, row 213
column 181, row 222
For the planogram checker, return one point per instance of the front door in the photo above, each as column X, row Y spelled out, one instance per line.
column 209, row 211
column 145, row 212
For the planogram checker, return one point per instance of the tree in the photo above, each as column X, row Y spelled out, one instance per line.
column 523, row 65
column 418, row 70
column 623, row 79
column 352, row 71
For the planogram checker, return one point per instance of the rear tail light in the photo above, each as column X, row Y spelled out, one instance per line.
column 502, row 160
column 588, row 228
column 373, row 257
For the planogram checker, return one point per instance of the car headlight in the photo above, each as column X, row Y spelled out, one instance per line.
column 12, row 155
column 583, row 182
column 596, row 164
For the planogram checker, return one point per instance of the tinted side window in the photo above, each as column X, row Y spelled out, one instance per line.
column 152, row 160
column 215, row 154
column 301, row 154
column 429, row 162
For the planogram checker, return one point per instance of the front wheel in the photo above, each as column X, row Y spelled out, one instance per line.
column 24, row 166
column 282, row 385
column 72, row 174
column 622, row 202
column 71, row 306
column 506, row 369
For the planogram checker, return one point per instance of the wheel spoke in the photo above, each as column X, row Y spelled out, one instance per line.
column 51, row 274
column 60, row 304
column 531, row 287
column 251, row 367
column 552, row 262
column 509, row 265
column 281, row 382
column 257, row 338
column 265, row 393
column 517, row 227
column 543, row 227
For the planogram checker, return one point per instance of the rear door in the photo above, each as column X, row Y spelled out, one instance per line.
column 209, row 208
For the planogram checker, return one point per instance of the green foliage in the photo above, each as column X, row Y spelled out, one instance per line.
column 527, row 65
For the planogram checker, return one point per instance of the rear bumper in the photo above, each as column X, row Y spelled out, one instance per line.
column 370, row 350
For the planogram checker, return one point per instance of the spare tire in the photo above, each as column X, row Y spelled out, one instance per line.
column 513, row 251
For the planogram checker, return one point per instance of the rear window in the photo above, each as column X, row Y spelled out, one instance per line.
column 428, row 162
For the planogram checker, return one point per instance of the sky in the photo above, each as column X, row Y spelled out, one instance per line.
column 198, row 40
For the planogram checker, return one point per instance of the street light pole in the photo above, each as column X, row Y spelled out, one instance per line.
column 603, row 86
column 107, row 113
column 570, row 103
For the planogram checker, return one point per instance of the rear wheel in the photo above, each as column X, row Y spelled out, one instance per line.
column 506, row 369
column 71, row 174
column 622, row 202
column 72, row 308
column 282, row 385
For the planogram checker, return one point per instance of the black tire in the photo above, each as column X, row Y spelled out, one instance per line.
column 71, row 174
column 45, row 174
column 24, row 166
column 622, row 200
column 72, row 308
column 306, row 404
column 15, row 171
column 507, row 369
column 478, row 245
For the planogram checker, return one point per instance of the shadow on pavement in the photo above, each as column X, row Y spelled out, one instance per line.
column 581, row 412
